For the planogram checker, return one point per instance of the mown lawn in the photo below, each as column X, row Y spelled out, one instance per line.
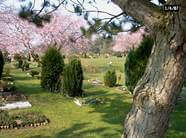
column 92, row 121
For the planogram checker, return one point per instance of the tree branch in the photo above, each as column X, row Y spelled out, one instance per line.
column 141, row 10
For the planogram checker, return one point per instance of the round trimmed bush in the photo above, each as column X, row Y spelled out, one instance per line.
column 1, row 64
column 110, row 78
column 73, row 78
column 51, row 70
column 136, row 62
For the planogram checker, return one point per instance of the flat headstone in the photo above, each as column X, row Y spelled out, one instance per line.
column 15, row 105
column 76, row 101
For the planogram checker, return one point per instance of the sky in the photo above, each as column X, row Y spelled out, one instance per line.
column 101, row 5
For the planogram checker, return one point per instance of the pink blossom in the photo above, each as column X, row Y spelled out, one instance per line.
column 125, row 41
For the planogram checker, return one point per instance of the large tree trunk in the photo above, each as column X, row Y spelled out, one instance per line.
column 156, row 92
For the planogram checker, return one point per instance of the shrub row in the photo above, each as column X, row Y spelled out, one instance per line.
column 56, row 76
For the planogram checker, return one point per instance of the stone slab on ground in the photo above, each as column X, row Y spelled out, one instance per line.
column 77, row 102
column 15, row 105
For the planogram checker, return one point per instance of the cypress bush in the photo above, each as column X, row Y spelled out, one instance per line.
column 73, row 78
column 1, row 64
column 136, row 62
column 51, row 70
column 110, row 78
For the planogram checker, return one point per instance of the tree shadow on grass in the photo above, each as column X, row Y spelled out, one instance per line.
column 80, row 131
column 178, row 119
column 29, row 88
column 23, row 78
column 40, row 136
column 115, row 109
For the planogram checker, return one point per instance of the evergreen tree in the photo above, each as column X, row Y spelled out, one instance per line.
column 136, row 62
column 73, row 78
column 51, row 70
column 110, row 78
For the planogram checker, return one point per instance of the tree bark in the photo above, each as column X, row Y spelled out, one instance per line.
column 156, row 92
column 143, row 11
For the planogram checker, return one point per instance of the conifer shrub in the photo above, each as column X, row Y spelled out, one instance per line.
column 136, row 62
column 1, row 64
column 73, row 78
column 110, row 78
column 51, row 70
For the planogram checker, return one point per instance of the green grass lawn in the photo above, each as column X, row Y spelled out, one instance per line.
column 91, row 121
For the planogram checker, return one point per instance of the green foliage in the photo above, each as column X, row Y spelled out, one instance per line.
column 110, row 78
column 6, row 56
column 118, row 54
column 25, row 66
column 33, row 73
column 6, row 71
column 1, row 64
column 51, row 70
column 20, row 63
column 8, row 78
column 5, row 119
column 28, row 118
column 136, row 62
column 73, row 78
column 28, row 14
column 7, row 86
column 184, row 83
column 19, row 59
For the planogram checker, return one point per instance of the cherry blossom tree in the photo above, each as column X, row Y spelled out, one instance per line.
column 65, row 32
column 17, row 35
column 126, row 41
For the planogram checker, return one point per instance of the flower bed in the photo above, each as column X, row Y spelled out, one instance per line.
column 24, row 119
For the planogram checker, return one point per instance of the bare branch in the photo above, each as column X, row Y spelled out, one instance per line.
column 60, row 3
column 41, row 8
